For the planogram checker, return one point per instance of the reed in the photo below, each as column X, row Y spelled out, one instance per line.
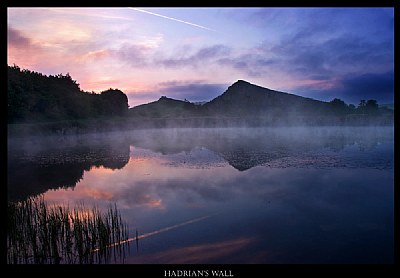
column 38, row 233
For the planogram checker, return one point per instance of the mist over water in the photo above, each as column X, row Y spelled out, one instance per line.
column 263, row 195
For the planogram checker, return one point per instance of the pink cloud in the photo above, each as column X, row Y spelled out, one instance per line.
column 318, row 84
column 195, row 254
column 94, row 55
column 96, row 194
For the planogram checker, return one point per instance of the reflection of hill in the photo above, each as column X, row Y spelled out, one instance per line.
column 244, row 160
column 246, row 148
column 37, row 166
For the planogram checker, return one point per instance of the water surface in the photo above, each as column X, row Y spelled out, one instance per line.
column 245, row 195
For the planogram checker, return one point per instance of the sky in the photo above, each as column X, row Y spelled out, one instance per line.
column 197, row 53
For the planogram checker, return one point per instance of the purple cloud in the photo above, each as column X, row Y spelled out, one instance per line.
column 16, row 38
column 352, row 89
column 318, row 44
column 205, row 54
column 249, row 63
column 132, row 54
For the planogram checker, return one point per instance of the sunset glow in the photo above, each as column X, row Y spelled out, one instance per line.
column 196, row 53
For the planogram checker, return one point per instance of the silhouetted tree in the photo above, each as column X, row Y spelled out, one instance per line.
column 368, row 107
column 372, row 106
column 352, row 107
column 339, row 106
column 34, row 97
column 362, row 103
column 115, row 102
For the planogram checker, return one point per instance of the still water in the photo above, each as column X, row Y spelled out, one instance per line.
column 233, row 195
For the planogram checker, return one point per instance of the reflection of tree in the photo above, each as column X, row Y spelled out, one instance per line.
column 39, row 166
column 31, row 179
column 34, row 171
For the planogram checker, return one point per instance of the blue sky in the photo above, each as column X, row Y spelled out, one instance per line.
column 196, row 53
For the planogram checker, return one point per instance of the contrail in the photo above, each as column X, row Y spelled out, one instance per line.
column 171, row 18
column 156, row 232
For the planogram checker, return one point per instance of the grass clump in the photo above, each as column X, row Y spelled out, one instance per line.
column 41, row 234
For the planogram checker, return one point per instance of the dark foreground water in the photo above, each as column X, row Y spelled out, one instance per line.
column 249, row 195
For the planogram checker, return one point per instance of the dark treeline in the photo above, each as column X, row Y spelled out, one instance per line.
column 366, row 107
column 34, row 97
column 43, row 104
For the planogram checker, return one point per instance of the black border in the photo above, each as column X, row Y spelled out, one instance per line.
column 238, row 270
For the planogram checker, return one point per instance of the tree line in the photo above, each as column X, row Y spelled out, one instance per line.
column 369, row 107
column 34, row 97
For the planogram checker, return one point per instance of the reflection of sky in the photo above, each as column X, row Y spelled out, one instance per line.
column 262, row 215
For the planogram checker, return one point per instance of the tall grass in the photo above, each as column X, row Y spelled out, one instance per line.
column 41, row 234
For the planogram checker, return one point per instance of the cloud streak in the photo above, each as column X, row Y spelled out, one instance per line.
column 174, row 19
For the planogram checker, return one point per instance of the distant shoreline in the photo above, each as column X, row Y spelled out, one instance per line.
column 70, row 127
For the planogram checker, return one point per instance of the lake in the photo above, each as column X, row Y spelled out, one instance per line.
column 229, row 195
